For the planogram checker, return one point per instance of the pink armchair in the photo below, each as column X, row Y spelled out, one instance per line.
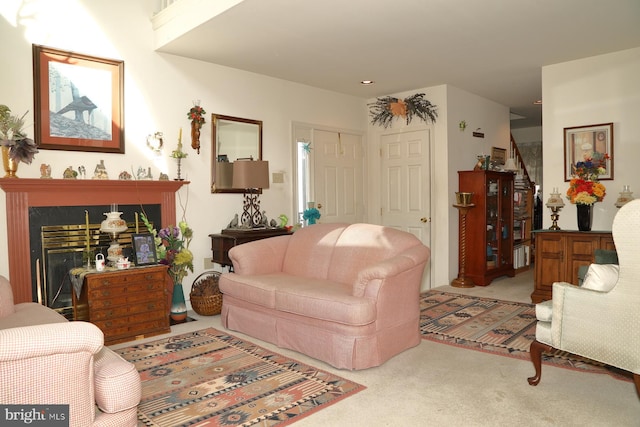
column 345, row 294
column 52, row 361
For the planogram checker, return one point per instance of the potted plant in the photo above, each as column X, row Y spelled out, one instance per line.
column 16, row 147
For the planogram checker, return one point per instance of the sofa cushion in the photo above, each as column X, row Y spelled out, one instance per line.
column 30, row 314
column 6, row 297
column 363, row 245
column 309, row 251
column 323, row 301
column 313, row 298
column 601, row 277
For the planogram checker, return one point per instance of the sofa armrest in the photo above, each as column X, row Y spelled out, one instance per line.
column 260, row 256
column 44, row 340
column 113, row 375
column 388, row 268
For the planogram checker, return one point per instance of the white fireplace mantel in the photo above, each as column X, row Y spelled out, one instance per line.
column 22, row 194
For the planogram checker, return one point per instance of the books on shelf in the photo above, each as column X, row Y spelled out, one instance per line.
column 521, row 256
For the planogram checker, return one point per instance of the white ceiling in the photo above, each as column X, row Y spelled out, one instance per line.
column 492, row 48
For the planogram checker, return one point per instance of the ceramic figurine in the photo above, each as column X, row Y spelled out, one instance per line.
column 69, row 173
column 45, row 171
column 163, row 177
column 125, row 176
column 234, row 222
column 100, row 171
column 82, row 172
column 141, row 174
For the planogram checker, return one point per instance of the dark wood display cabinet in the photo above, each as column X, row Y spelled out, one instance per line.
column 489, row 225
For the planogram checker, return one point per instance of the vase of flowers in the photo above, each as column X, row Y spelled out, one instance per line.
column 172, row 247
column 16, row 147
column 585, row 189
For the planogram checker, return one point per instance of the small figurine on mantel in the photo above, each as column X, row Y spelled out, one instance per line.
column 125, row 176
column 100, row 171
column 163, row 177
column 82, row 172
column 45, row 171
column 69, row 173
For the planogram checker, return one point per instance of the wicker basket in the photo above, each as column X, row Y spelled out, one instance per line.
column 205, row 296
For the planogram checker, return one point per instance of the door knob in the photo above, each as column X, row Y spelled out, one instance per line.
column 425, row 220
column 319, row 205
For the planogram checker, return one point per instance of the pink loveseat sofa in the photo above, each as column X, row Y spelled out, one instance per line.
column 345, row 294
column 44, row 360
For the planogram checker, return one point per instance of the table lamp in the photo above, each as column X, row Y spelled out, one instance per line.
column 555, row 203
column 626, row 196
column 252, row 176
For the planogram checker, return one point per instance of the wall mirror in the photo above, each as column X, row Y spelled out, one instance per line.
column 232, row 138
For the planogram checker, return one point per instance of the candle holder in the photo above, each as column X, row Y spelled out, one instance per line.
column 464, row 205
column 555, row 203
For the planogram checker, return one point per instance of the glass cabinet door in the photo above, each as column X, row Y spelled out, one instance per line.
column 493, row 222
column 506, row 222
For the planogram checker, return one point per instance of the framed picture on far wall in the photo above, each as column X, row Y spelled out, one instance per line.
column 79, row 101
column 582, row 142
column 144, row 249
column 498, row 155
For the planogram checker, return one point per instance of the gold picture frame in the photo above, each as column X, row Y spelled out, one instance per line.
column 580, row 141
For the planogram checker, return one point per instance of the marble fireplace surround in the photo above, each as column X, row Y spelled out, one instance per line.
column 24, row 193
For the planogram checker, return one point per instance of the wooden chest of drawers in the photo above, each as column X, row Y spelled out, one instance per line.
column 559, row 255
column 126, row 304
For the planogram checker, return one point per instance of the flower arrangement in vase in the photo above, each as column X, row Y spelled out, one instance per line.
column 585, row 189
column 16, row 147
column 172, row 247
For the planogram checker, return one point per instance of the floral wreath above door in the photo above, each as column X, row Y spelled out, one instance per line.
column 385, row 109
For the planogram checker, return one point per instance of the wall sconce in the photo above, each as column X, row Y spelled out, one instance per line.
column 625, row 197
column 252, row 176
column 555, row 203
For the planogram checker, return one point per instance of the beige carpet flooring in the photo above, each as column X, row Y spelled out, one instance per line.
column 435, row 384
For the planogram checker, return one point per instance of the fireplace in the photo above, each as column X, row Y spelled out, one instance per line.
column 23, row 194
column 58, row 242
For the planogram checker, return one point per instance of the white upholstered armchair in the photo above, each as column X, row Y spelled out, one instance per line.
column 599, row 320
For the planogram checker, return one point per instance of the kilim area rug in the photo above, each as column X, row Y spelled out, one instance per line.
column 210, row 378
column 502, row 327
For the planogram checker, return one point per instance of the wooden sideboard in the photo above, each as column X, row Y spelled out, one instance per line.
column 559, row 255
column 125, row 304
column 228, row 238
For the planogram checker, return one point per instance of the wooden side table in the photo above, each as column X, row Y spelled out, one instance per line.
column 228, row 238
column 125, row 304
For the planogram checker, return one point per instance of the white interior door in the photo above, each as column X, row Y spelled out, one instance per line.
column 338, row 176
column 406, row 184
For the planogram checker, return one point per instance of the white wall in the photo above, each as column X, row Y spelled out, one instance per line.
column 600, row 89
column 159, row 90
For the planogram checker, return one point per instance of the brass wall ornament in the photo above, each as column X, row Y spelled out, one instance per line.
column 385, row 109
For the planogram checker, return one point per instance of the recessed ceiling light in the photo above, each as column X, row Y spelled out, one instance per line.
column 367, row 82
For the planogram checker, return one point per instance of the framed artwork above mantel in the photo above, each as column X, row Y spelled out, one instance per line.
column 79, row 101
